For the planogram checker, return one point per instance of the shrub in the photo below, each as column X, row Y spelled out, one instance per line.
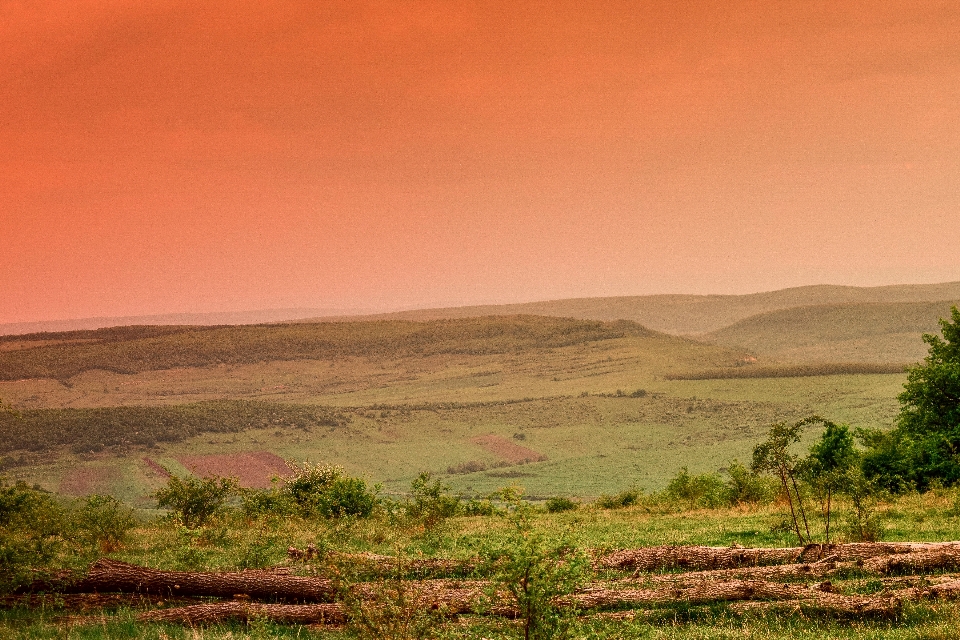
column 560, row 504
column 477, row 507
column 745, row 487
column 193, row 500
column 623, row 499
column 431, row 501
column 258, row 503
column 103, row 522
column 389, row 607
column 471, row 466
column 324, row 490
column 31, row 528
column 705, row 490
column 536, row 571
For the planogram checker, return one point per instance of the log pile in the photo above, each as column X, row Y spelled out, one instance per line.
column 785, row 580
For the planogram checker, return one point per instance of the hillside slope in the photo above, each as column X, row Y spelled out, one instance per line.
column 692, row 314
column 862, row 332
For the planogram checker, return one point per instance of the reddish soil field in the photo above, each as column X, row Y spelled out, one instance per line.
column 254, row 469
column 508, row 450
column 84, row 481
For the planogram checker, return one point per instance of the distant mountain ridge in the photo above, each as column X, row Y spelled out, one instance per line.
column 213, row 318
column 682, row 314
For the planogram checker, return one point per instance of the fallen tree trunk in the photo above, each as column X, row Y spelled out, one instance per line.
column 822, row 569
column 107, row 575
column 382, row 565
column 223, row 611
column 695, row 558
column 696, row 594
column 917, row 561
column 698, row 558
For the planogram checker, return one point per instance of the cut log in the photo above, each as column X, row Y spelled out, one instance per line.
column 731, row 590
column 945, row 559
column 214, row 612
column 377, row 564
column 821, row 569
column 833, row 604
column 107, row 576
column 90, row 601
column 697, row 558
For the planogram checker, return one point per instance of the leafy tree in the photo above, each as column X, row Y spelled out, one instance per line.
column 774, row 456
column 928, row 426
column 536, row 570
column 827, row 468
column 431, row 501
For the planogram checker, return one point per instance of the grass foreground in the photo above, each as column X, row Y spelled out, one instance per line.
column 232, row 542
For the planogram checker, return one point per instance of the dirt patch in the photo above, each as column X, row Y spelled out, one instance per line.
column 253, row 469
column 85, row 481
column 156, row 467
column 507, row 450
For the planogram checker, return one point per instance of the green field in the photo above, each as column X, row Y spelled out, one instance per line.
column 558, row 406
column 599, row 400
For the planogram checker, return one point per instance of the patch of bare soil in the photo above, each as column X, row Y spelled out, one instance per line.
column 507, row 450
column 84, row 481
column 156, row 467
column 253, row 469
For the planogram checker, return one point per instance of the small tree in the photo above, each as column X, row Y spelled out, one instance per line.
column 195, row 500
column 536, row 571
column 827, row 468
column 431, row 501
column 774, row 456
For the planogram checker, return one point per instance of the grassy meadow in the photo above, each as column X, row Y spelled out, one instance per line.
column 599, row 400
column 581, row 407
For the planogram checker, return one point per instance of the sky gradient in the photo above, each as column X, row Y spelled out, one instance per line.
column 179, row 156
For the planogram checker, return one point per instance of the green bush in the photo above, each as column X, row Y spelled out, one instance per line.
column 103, row 522
column 431, row 501
column 477, row 507
column 324, row 490
column 259, row 503
column 560, row 504
column 746, row 487
column 623, row 499
column 704, row 490
column 536, row 570
column 32, row 527
column 193, row 500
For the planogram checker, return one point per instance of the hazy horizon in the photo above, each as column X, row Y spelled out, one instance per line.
column 198, row 157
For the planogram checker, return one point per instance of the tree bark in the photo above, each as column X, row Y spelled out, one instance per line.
column 214, row 612
column 113, row 576
column 696, row 558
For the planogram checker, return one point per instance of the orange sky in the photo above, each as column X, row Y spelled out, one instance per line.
column 213, row 155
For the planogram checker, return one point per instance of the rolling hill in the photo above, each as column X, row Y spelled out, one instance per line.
column 690, row 314
column 859, row 332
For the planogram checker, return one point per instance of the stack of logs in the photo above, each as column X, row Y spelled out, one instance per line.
column 788, row 579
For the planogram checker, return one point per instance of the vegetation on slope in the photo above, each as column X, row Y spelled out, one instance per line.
column 874, row 332
column 93, row 429
column 137, row 349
